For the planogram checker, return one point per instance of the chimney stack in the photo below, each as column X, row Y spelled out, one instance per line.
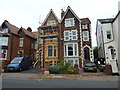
column 29, row 29
column 62, row 13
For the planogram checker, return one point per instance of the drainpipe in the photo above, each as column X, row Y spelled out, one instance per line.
column 11, row 47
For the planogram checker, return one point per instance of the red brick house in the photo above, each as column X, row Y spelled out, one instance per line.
column 16, row 42
column 75, row 37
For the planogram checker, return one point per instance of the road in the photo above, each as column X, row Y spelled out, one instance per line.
column 11, row 82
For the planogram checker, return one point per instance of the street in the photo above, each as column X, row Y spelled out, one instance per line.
column 11, row 82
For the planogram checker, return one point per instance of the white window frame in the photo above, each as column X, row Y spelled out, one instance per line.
column 110, row 32
column 66, row 36
column 21, row 43
column 4, row 41
column 68, row 22
column 5, row 30
column 66, row 51
column 74, row 35
column 84, row 26
column 85, row 36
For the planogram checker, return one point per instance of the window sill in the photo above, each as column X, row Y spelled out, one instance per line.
column 71, row 56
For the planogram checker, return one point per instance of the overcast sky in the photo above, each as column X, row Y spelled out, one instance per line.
column 29, row 12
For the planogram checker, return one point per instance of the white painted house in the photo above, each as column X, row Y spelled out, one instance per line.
column 107, row 40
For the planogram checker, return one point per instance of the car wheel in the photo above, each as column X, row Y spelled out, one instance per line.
column 20, row 69
column 95, row 71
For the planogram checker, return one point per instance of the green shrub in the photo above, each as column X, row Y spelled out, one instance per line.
column 60, row 62
column 100, row 68
column 54, row 69
column 71, row 69
column 67, row 64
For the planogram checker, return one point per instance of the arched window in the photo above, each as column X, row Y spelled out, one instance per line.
column 86, row 53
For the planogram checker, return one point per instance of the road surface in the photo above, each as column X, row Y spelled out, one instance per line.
column 11, row 82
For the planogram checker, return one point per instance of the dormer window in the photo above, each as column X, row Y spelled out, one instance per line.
column 69, row 22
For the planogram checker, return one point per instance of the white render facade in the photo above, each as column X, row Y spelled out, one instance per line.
column 107, row 41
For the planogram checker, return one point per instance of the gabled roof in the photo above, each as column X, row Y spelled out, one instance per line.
column 108, row 20
column 30, row 34
column 85, row 20
column 69, row 8
column 13, row 29
column 51, row 11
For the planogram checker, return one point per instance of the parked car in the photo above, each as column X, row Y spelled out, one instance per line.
column 19, row 63
column 90, row 66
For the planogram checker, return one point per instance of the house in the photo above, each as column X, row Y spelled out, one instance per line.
column 48, row 40
column 16, row 42
column 69, row 39
column 76, row 46
column 107, row 41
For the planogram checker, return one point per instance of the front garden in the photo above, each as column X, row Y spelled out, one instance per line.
column 62, row 68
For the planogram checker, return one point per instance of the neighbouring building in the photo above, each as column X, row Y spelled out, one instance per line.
column 107, row 41
column 15, row 42
column 68, row 39
column 76, row 45
column 48, row 40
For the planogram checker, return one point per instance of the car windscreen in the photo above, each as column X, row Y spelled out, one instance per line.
column 89, row 63
column 16, row 61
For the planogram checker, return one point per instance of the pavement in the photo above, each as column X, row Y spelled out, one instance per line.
column 37, row 74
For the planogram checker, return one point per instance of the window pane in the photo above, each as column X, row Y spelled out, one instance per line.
column 54, row 39
column 109, row 35
column 73, row 32
column 66, row 36
column 85, row 36
column 66, row 33
column 55, row 47
column 65, row 51
column 74, row 37
column 71, row 62
column 49, row 51
column 21, row 42
column 70, row 49
column 75, row 49
column 71, row 22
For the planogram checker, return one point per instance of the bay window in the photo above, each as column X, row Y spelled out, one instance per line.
column 49, row 51
column 55, row 51
column 70, row 50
